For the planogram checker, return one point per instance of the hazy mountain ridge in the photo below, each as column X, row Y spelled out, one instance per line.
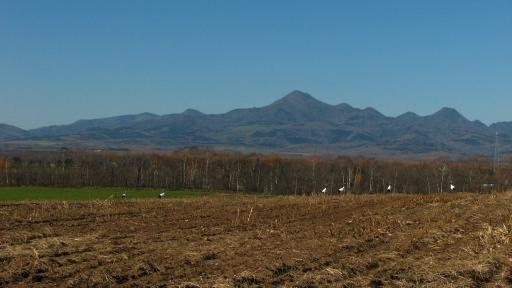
column 501, row 126
column 8, row 132
column 296, row 123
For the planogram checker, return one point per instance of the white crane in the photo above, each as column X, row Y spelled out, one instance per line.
column 452, row 187
column 342, row 189
column 325, row 189
column 161, row 195
column 124, row 195
column 389, row 188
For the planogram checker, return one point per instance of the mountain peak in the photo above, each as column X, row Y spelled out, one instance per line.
column 300, row 101
column 192, row 112
column 299, row 107
column 8, row 132
column 447, row 115
column 409, row 116
column 372, row 111
column 296, row 97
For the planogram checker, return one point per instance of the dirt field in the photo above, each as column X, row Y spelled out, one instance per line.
column 449, row 240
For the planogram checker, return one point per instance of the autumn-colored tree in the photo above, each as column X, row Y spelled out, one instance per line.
column 204, row 168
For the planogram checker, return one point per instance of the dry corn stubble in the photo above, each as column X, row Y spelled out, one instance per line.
column 254, row 241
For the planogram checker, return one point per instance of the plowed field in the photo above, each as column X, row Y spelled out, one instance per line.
column 448, row 240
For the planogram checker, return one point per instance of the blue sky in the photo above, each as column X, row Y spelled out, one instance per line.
column 61, row 61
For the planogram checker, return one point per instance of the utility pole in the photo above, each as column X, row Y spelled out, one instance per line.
column 496, row 155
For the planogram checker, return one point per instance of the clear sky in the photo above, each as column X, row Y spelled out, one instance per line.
column 61, row 61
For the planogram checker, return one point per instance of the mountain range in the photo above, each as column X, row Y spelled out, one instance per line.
column 295, row 124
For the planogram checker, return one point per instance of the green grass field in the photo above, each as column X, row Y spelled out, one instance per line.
column 73, row 194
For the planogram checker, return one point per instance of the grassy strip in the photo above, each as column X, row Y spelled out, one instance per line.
column 76, row 194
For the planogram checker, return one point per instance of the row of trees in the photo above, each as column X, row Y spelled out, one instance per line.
column 205, row 168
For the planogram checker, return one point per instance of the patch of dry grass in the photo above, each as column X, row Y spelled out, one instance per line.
column 447, row 240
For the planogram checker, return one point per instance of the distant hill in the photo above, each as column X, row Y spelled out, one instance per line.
column 501, row 126
column 81, row 125
column 8, row 132
column 296, row 123
column 192, row 112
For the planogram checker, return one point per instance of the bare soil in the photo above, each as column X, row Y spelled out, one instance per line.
column 447, row 240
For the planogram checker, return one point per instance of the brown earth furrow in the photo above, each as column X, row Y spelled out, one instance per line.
column 447, row 240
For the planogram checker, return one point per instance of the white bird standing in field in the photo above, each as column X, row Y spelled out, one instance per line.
column 452, row 187
column 161, row 195
column 325, row 189
column 389, row 188
column 124, row 195
column 342, row 189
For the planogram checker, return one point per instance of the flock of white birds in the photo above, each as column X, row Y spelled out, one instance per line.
column 341, row 190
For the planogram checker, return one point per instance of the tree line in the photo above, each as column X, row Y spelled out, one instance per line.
column 206, row 169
